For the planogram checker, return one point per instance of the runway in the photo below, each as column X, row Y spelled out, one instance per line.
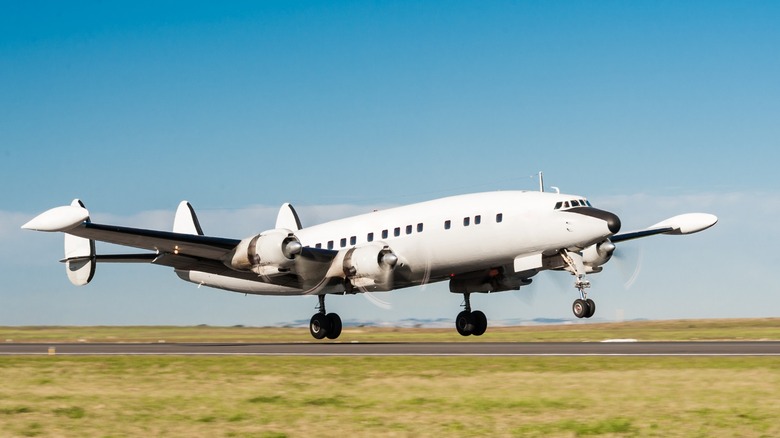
column 637, row 349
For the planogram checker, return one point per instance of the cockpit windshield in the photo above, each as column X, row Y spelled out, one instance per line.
column 562, row 205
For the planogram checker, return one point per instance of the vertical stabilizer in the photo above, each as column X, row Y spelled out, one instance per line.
column 186, row 221
column 79, row 255
column 288, row 218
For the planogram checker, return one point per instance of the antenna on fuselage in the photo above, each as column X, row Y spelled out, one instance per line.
column 541, row 181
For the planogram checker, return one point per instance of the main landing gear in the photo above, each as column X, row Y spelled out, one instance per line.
column 324, row 324
column 470, row 323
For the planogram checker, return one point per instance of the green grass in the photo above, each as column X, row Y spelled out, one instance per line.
column 122, row 396
column 729, row 329
column 389, row 396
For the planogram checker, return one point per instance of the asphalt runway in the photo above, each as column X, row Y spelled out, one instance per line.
column 402, row 349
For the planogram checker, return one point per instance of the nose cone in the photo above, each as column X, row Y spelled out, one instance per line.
column 613, row 222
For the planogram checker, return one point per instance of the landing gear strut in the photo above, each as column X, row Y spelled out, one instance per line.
column 468, row 322
column 583, row 307
column 324, row 324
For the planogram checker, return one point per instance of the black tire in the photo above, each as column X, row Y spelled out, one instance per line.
column 580, row 308
column 591, row 308
column 319, row 326
column 464, row 323
column 480, row 323
column 335, row 326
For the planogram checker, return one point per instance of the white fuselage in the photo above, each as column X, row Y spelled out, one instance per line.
column 447, row 236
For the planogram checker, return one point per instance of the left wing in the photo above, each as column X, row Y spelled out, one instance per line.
column 184, row 251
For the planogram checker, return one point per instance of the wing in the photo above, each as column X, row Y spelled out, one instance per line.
column 683, row 224
column 182, row 251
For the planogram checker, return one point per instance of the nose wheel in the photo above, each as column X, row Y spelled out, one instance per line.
column 583, row 308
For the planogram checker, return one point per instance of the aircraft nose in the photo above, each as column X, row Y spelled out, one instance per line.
column 612, row 220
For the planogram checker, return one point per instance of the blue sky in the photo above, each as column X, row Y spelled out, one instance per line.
column 649, row 108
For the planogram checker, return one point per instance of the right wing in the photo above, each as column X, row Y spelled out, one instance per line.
column 683, row 224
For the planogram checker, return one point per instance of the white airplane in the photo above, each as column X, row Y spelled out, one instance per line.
column 482, row 242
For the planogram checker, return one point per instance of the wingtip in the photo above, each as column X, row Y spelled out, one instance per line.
column 58, row 219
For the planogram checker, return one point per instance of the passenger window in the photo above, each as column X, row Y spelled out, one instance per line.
column 353, row 240
column 466, row 221
column 499, row 218
column 397, row 231
column 330, row 244
column 343, row 242
column 384, row 234
column 370, row 237
column 447, row 224
column 319, row 245
column 419, row 227
column 477, row 219
column 408, row 229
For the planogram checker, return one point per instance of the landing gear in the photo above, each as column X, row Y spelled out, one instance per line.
column 583, row 307
column 591, row 308
column 324, row 324
column 470, row 323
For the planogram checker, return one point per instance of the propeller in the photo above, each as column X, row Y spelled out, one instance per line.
column 628, row 259
column 375, row 300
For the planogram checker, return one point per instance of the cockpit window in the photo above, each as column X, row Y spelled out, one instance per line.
column 572, row 203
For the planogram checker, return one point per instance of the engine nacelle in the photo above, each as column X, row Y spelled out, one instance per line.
column 370, row 267
column 268, row 253
column 596, row 255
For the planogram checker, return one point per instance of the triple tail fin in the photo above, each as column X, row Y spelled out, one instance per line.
column 288, row 218
column 80, row 261
column 186, row 221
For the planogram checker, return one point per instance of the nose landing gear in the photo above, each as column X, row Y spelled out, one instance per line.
column 583, row 307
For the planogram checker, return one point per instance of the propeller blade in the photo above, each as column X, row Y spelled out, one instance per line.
column 373, row 299
column 629, row 262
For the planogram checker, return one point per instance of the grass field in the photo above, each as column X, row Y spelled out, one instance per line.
column 705, row 330
column 393, row 396
column 122, row 396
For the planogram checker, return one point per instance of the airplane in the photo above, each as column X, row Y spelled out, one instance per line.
column 479, row 243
